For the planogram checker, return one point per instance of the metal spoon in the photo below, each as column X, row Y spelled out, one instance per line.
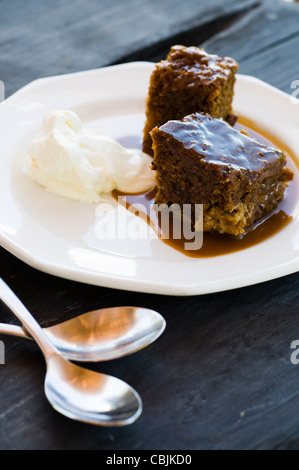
column 76, row 392
column 101, row 335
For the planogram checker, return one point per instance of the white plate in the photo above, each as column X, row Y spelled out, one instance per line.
column 58, row 236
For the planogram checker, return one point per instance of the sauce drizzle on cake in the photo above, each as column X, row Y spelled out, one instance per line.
column 215, row 244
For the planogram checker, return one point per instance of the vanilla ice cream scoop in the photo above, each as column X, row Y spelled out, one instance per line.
column 81, row 164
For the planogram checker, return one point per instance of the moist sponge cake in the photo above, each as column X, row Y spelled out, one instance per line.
column 203, row 160
column 190, row 80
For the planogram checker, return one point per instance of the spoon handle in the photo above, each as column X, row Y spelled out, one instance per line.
column 15, row 305
column 13, row 330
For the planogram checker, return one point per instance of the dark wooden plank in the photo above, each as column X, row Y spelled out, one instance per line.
column 265, row 42
column 192, row 35
column 263, row 27
column 52, row 37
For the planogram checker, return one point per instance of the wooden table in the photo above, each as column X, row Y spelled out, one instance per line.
column 220, row 377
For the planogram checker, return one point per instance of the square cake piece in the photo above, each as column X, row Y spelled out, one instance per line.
column 203, row 160
column 190, row 80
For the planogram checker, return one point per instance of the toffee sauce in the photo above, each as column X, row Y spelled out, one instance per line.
column 215, row 244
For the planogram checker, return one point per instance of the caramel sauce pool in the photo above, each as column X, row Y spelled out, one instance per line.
column 215, row 244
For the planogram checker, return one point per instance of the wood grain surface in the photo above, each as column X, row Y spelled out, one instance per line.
column 220, row 377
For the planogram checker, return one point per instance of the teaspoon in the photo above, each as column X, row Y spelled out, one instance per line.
column 73, row 391
column 101, row 335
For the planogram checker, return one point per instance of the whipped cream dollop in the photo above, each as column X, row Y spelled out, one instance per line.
column 78, row 163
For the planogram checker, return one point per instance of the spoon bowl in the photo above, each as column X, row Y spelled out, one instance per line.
column 84, row 395
column 106, row 334
column 101, row 335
